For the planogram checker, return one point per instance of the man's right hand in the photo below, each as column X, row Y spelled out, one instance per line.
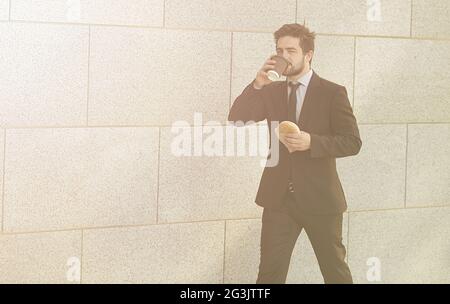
column 282, row 139
column 262, row 79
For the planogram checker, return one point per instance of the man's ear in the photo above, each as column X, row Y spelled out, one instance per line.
column 310, row 55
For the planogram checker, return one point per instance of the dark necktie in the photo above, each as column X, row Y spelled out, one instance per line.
column 292, row 116
column 292, row 106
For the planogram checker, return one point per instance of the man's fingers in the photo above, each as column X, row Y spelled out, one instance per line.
column 293, row 136
column 293, row 141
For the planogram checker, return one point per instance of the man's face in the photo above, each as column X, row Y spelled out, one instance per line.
column 289, row 48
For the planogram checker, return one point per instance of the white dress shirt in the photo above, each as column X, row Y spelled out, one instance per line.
column 301, row 91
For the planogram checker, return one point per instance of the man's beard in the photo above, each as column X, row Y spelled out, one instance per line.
column 298, row 70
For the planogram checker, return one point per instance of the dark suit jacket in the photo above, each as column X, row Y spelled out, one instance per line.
column 328, row 117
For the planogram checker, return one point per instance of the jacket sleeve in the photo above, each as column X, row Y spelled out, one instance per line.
column 250, row 106
column 345, row 139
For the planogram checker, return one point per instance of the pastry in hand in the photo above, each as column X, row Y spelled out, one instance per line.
column 288, row 127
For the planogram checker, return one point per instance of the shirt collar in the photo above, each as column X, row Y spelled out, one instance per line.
column 305, row 79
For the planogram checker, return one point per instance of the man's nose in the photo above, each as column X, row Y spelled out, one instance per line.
column 286, row 57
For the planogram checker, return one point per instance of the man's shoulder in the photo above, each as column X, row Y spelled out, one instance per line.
column 330, row 84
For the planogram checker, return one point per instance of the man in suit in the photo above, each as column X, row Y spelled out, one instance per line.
column 303, row 190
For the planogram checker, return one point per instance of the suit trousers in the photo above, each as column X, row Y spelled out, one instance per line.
column 279, row 233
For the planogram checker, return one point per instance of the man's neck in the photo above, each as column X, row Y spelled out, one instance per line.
column 300, row 75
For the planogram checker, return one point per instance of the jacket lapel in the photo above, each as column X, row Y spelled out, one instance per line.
column 311, row 95
column 283, row 104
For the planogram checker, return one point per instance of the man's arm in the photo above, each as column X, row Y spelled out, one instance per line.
column 250, row 105
column 345, row 140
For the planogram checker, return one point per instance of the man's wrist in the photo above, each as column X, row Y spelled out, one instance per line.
column 256, row 87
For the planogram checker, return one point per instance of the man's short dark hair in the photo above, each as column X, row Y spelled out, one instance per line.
column 296, row 30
